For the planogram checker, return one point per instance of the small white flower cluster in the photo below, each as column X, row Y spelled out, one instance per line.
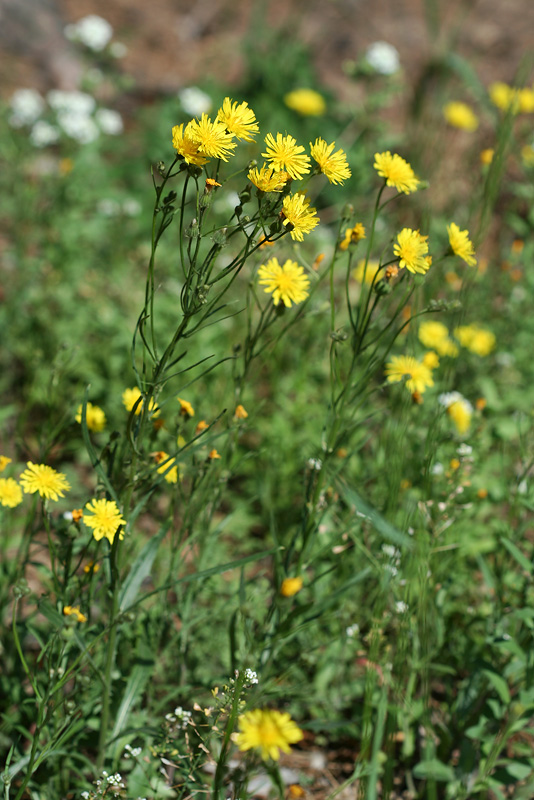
column 352, row 630
column 114, row 783
column 92, row 31
column 464, row 449
column 132, row 752
column 179, row 719
column 194, row 101
column 394, row 555
column 437, row 468
column 383, row 58
column 315, row 463
column 114, row 208
column 27, row 105
column 401, row 607
column 251, row 677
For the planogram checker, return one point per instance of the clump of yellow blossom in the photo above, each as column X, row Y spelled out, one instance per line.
column 186, row 146
column 396, row 171
column 238, row 119
column 10, row 493
column 461, row 245
column 486, row 156
column 288, row 283
column 95, row 417
column 167, row 466
column 460, row 115
column 130, row 398
column 352, row 236
column 202, row 426
column 77, row 515
column 4, row 461
column 333, row 165
column 477, row 340
column 267, row 180
column 285, row 154
column 411, row 249
column 297, row 212
column 306, row 102
column 267, row 731
column 45, row 480
column 105, row 519
column 91, row 568
column 435, row 335
column 431, row 360
column 509, row 98
column 417, row 375
column 240, row 412
column 458, row 409
column 373, row 268
column 74, row 611
column 211, row 137
column 186, row 409
column 290, row 586
column 213, row 454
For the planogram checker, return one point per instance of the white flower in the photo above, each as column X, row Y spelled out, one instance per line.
column 437, row 468
column 383, row 58
column 92, row 31
column 194, row 101
column 389, row 550
column 108, row 207
column 522, row 487
column 77, row 102
column 27, row 105
column 352, row 630
column 315, row 463
column 78, row 126
column 464, row 449
column 109, row 121
column 401, row 607
column 448, row 398
column 43, row 134
column 251, row 676
column 118, row 49
column 131, row 207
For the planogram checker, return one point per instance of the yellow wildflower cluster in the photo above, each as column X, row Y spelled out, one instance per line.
column 267, row 731
column 508, row 98
column 460, row 115
column 435, row 335
column 306, row 102
column 477, row 340
column 418, row 376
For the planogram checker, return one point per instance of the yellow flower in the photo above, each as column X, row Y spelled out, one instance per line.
column 91, row 568
column 211, row 137
column 431, row 360
column 527, row 154
column 202, row 426
column 460, row 115
column 290, row 586
column 306, row 102
column 486, row 156
column 288, row 283
column 168, row 466
column 285, row 154
column 333, row 165
column 267, row 731
column 267, row 180
column 74, row 611
column 186, row 409
column 213, row 454
column 130, row 398
column 297, row 212
column 186, row 146
column 352, row 236
column 435, row 335
column 419, row 376
column 4, row 461
column 95, row 417
column 240, row 412
column 10, row 493
column 477, row 340
column 461, row 412
column 396, row 171
column 373, row 267
column 238, row 119
column 45, row 480
column 106, row 519
column 526, row 100
column 411, row 248
column 506, row 97
column 461, row 244
column 77, row 515
column 454, row 463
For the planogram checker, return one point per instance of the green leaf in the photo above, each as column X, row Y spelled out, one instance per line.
column 380, row 524
column 141, row 569
column 434, row 770
column 499, row 684
column 520, row 557
column 135, row 686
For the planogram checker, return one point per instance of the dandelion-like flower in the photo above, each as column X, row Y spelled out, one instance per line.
column 130, row 398
column 297, row 212
column 95, row 417
column 352, row 236
column 419, row 376
column 10, row 493
column 431, row 360
column 504, row 97
column 212, row 137
column 186, row 146
column 266, row 179
column 396, row 172
column 306, row 102
column 288, row 283
column 290, row 586
column 105, row 519
column 267, row 731
column 4, row 461
column 461, row 245
column 186, row 409
column 435, row 335
column 240, row 412
column 333, row 165
column 238, row 119
column 358, row 273
column 167, row 466
column 411, row 249
column 285, row 154
column 458, row 408
column 461, row 116
column 45, row 480
column 477, row 340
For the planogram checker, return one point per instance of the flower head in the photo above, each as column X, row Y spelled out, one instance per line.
column 186, row 146
column 268, row 731
column 77, row 515
column 461, row 116
column 396, row 172
column 4, row 461
column 504, row 97
column 239, row 120
column 477, row 340
column 291, row 586
column 458, row 408
column 186, row 409
column 202, row 426
column 288, row 283
column 45, row 480
column 411, row 249
column 333, row 165
column 212, row 138
column 418, row 375
column 383, row 58
column 435, row 335
column 297, row 212
column 431, row 360
column 285, row 154
column 352, row 236
column 106, row 519
column 95, row 417
column 130, row 398
column 486, row 156
column 74, row 611
column 306, row 102
column 10, row 493
column 167, row 466
column 240, row 412
column 461, row 245
column 266, row 179
column 360, row 273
